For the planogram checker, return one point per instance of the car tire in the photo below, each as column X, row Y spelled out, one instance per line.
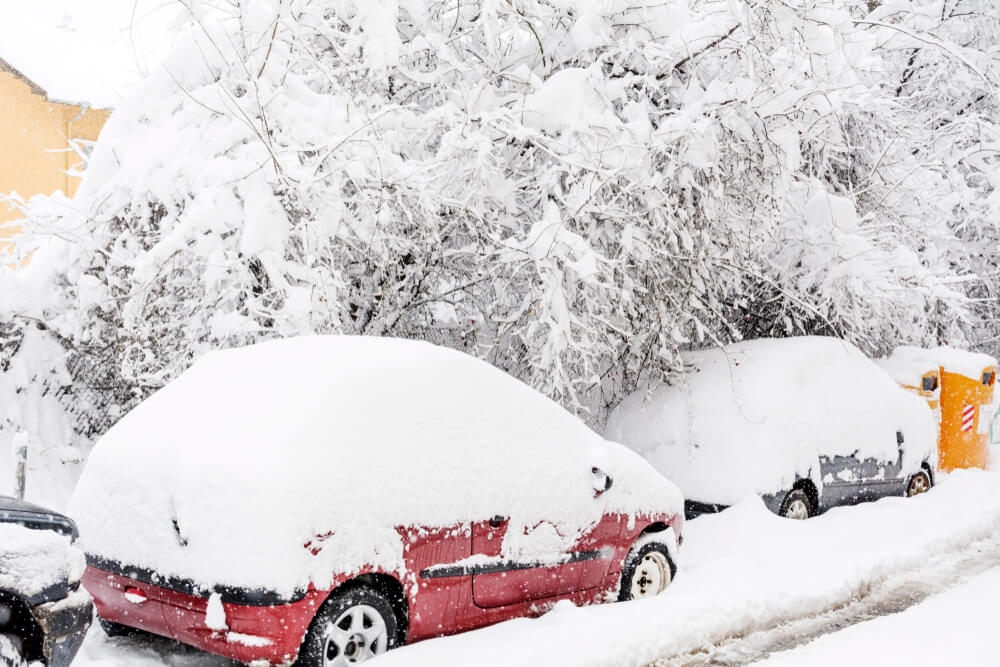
column 353, row 625
column 797, row 505
column 647, row 572
column 10, row 652
column 920, row 482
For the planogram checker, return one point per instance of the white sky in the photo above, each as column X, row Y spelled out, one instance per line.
column 86, row 51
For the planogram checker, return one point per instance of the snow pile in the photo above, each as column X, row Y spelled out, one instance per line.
column 753, row 417
column 225, row 474
column 33, row 560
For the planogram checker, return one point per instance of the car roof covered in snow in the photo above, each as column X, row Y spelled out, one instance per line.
column 224, row 474
column 754, row 416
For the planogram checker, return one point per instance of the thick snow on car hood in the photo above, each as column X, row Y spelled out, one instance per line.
column 32, row 561
column 750, row 417
column 232, row 473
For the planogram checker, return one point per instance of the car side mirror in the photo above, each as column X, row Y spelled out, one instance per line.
column 602, row 481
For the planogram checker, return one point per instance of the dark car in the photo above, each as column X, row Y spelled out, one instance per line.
column 44, row 614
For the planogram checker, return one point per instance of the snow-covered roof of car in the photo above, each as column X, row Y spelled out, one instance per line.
column 750, row 417
column 227, row 472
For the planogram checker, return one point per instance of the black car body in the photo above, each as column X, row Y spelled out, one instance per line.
column 44, row 614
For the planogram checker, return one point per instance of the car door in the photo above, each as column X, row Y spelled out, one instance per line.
column 842, row 477
column 505, row 574
column 880, row 478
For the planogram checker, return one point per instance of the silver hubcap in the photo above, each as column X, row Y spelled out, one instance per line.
column 357, row 635
column 918, row 484
column 797, row 509
column 651, row 576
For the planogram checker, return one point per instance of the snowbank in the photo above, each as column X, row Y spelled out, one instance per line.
column 225, row 474
column 752, row 417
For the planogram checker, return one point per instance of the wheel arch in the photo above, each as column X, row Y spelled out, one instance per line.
column 809, row 488
column 926, row 467
column 391, row 588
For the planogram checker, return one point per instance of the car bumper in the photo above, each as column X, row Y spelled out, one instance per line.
column 253, row 633
column 64, row 624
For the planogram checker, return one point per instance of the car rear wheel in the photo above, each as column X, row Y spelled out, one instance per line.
column 353, row 626
column 919, row 483
column 797, row 505
column 647, row 572
column 10, row 652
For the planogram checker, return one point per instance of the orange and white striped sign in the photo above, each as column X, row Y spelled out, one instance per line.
column 968, row 417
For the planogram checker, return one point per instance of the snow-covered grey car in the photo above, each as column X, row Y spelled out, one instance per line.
column 806, row 423
column 44, row 614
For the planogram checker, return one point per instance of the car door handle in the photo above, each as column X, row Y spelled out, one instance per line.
column 497, row 521
column 135, row 596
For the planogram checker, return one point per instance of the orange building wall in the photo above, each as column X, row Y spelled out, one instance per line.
column 34, row 136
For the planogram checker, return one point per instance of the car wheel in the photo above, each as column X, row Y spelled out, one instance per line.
column 796, row 505
column 10, row 652
column 352, row 626
column 919, row 483
column 647, row 571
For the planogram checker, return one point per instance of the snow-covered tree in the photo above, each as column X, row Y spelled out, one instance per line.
column 572, row 190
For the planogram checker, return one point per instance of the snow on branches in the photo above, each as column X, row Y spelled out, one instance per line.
column 571, row 190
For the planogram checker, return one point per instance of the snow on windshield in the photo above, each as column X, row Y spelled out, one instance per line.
column 750, row 417
column 223, row 475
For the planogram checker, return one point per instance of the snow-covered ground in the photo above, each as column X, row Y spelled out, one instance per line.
column 746, row 573
column 957, row 627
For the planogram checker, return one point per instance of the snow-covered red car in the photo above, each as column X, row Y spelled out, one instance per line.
column 322, row 499
column 44, row 614
column 807, row 423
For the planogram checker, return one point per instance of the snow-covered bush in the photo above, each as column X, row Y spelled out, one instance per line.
column 571, row 190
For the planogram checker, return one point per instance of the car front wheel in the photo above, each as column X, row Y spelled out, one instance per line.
column 796, row 505
column 353, row 626
column 647, row 571
column 919, row 483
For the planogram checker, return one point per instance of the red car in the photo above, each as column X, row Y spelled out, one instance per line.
column 323, row 499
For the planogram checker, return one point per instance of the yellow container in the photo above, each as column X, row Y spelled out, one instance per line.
column 958, row 386
column 965, row 424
